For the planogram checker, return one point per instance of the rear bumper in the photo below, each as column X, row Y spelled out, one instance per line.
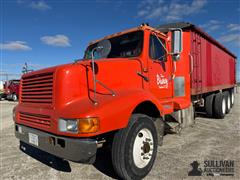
column 78, row 150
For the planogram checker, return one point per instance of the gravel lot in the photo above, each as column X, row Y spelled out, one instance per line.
column 209, row 139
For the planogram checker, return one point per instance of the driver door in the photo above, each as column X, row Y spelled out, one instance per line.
column 160, row 68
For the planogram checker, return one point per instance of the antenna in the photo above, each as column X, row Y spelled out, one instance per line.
column 25, row 69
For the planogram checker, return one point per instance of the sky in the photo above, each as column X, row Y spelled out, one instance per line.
column 44, row 33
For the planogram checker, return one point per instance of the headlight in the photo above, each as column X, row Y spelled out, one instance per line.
column 85, row 125
column 68, row 125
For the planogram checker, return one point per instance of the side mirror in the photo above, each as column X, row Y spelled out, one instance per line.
column 176, row 44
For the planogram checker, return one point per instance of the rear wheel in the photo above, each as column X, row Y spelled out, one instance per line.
column 134, row 148
column 228, row 101
column 232, row 97
column 219, row 106
column 209, row 105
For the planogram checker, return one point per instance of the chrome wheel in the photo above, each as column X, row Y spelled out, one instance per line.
column 229, row 102
column 224, row 106
column 143, row 148
column 232, row 99
column 14, row 97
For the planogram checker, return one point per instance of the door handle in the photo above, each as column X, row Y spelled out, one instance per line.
column 191, row 63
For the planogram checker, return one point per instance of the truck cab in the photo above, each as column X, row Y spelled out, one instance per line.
column 118, row 94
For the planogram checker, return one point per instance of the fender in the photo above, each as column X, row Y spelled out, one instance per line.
column 113, row 112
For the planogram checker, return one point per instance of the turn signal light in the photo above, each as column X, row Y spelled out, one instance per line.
column 88, row 125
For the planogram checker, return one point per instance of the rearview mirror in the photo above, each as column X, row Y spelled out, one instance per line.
column 176, row 44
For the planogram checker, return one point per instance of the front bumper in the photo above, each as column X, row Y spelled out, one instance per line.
column 77, row 150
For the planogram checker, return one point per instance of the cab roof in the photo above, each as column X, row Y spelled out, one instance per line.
column 142, row 27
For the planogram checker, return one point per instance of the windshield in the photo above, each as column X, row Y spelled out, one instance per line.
column 16, row 81
column 126, row 45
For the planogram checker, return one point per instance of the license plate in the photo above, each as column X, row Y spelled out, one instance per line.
column 33, row 139
column 20, row 129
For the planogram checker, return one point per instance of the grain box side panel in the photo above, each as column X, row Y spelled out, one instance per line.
column 214, row 69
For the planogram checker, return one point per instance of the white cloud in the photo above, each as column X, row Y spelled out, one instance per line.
column 233, row 39
column 40, row 5
column 57, row 40
column 233, row 27
column 212, row 25
column 174, row 10
column 15, row 45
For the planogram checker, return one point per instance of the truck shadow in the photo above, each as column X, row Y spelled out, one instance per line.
column 45, row 158
column 103, row 163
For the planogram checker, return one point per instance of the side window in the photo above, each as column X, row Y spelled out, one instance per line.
column 156, row 50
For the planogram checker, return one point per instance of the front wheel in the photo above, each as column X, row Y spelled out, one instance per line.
column 134, row 148
column 14, row 97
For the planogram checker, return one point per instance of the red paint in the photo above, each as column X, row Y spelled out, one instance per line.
column 68, row 92
column 213, row 67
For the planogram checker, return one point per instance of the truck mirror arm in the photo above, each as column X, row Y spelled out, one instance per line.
column 95, row 81
column 144, row 77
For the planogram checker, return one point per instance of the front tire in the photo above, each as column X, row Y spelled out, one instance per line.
column 134, row 148
column 14, row 97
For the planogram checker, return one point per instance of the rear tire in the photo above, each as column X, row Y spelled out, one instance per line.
column 232, row 97
column 134, row 148
column 209, row 105
column 228, row 101
column 219, row 106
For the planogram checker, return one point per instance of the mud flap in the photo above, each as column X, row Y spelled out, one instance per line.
column 185, row 117
column 180, row 119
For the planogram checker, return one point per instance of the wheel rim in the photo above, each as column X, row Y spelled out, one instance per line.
column 14, row 97
column 232, row 98
column 223, row 106
column 143, row 148
column 228, row 103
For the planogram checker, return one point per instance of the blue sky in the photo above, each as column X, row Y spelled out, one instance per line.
column 50, row 32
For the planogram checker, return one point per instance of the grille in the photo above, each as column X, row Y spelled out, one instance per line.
column 37, row 89
column 35, row 119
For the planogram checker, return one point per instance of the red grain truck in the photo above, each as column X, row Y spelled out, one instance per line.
column 11, row 90
column 122, row 93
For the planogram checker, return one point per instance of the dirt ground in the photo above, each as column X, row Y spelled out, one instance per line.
column 209, row 139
